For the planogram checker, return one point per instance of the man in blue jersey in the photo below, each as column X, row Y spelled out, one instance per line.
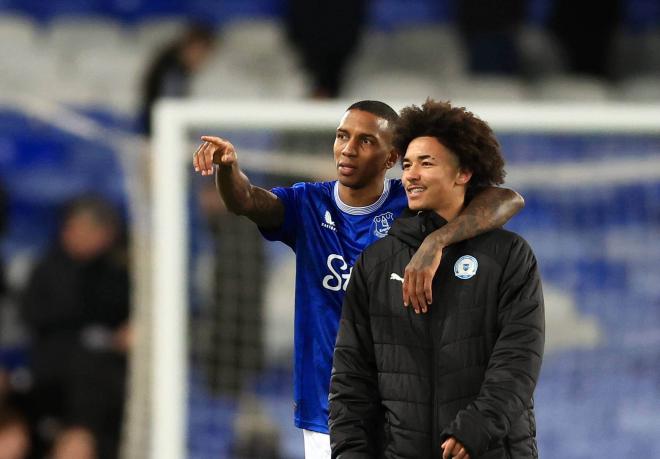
column 328, row 224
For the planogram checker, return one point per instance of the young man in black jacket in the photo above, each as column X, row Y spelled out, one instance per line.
column 457, row 381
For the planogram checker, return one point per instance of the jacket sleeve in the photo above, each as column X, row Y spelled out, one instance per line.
column 515, row 362
column 354, row 401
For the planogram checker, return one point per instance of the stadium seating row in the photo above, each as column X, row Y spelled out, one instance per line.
column 385, row 14
column 100, row 62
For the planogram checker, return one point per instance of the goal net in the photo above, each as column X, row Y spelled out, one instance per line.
column 214, row 369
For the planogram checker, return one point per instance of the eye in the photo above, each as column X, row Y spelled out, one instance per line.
column 427, row 163
column 367, row 141
column 341, row 135
column 405, row 166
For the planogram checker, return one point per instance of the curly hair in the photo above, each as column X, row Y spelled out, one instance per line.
column 469, row 138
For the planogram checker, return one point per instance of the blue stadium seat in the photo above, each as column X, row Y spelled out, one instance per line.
column 391, row 14
column 538, row 11
column 12, row 358
column 45, row 11
column 210, row 431
column 39, row 152
column 137, row 10
column 221, row 12
column 7, row 6
column 11, row 121
column 641, row 14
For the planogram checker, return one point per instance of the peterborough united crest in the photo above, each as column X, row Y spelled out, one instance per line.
column 382, row 224
column 466, row 267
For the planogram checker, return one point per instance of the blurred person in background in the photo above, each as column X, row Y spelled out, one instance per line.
column 75, row 443
column 325, row 35
column 171, row 72
column 490, row 30
column 76, row 308
column 14, row 433
column 585, row 31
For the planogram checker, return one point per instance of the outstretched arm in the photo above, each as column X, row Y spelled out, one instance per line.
column 489, row 209
column 240, row 196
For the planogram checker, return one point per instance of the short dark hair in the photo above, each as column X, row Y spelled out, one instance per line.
column 469, row 138
column 376, row 107
column 102, row 211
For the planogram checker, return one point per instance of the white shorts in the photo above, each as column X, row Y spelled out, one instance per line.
column 317, row 445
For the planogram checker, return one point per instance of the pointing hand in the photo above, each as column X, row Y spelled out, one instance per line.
column 213, row 150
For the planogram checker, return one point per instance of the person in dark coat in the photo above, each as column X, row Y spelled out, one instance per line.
column 490, row 29
column 76, row 307
column 457, row 381
column 587, row 50
column 171, row 72
column 326, row 35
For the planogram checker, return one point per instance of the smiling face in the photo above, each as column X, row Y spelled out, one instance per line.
column 363, row 149
column 432, row 178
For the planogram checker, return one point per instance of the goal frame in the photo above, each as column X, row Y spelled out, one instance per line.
column 170, row 159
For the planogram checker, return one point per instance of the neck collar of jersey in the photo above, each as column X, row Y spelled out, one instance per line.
column 366, row 209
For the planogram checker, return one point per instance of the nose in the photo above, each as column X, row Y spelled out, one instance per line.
column 349, row 148
column 411, row 174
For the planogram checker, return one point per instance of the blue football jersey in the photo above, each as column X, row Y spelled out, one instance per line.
column 327, row 237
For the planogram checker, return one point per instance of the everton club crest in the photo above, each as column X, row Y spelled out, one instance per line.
column 382, row 224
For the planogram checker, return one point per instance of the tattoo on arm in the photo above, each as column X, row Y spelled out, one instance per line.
column 489, row 209
column 242, row 198
column 428, row 256
column 267, row 211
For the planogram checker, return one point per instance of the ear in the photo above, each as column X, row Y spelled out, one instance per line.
column 392, row 158
column 463, row 177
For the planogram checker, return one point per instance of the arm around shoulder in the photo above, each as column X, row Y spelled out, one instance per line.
column 489, row 209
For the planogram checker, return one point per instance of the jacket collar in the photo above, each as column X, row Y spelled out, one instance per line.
column 411, row 228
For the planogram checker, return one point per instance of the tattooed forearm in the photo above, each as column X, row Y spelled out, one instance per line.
column 242, row 198
column 234, row 188
column 490, row 209
column 428, row 256
column 266, row 210
column 262, row 201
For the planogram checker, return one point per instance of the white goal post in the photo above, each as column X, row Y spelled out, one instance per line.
column 170, row 168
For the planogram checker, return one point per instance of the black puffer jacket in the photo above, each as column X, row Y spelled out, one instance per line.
column 402, row 383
